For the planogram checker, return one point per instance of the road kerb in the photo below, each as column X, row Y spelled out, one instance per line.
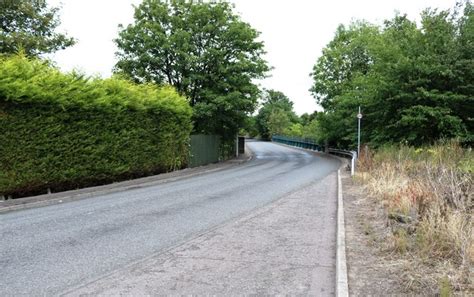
column 342, row 286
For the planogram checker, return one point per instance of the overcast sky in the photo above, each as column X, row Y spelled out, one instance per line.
column 294, row 33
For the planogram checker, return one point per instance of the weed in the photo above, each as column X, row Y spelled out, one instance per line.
column 445, row 289
column 400, row 241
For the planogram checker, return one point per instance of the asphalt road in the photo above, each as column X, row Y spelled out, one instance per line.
column 48, row 250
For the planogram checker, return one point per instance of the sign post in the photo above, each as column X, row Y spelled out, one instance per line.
column 359, row 117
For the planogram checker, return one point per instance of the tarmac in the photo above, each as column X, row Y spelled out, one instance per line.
column 285, row 248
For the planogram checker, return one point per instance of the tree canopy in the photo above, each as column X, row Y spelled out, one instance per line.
column 29, row 26
column 275, row 115
column 413, row 82
column 203, row 49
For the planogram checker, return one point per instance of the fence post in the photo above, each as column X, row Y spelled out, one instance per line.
column 353, row 165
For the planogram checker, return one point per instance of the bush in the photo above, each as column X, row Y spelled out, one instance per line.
column 64, row 131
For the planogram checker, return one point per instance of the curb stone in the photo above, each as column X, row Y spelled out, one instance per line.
column 342, row 286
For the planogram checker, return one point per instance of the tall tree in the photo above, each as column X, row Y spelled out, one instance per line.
column 344, row 58
column 414, row 83
column 203, row 49
column 278, row 122
column 30, row 26
column 274, row 104
column 338, row 76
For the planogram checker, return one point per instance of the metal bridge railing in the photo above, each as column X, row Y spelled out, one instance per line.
column 298, row 142
column 311, row 145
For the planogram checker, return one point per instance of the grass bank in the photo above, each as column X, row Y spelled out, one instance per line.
column 427, row 194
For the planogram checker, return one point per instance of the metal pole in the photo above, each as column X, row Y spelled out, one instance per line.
column 359, row 117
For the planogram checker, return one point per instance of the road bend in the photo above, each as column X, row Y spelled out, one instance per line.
column 48, row 250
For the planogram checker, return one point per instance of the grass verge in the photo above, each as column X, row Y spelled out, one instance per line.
column 427, row 194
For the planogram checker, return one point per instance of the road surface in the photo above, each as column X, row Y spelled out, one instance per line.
column 48, row 250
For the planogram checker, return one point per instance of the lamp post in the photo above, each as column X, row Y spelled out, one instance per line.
column 359, row 118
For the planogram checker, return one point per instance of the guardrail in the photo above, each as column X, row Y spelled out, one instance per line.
column 310, row 144
column 344, row 153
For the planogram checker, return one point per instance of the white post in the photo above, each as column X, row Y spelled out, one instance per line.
column 359, row 117
column 352, row 166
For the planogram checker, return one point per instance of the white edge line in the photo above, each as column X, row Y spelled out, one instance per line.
column 342, row 286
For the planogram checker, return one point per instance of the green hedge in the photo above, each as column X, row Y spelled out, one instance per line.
column 64, row 131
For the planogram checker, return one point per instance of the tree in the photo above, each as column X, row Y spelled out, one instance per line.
column 312, row 131
column 306, row 118
column 294, row 130
column 274, row 103
column 414, row 83
column 278, row 122
column 250, row 127
column 345, row 57
column 29, row 26
column 338, row 76
column 203, row 49
column 277, row 99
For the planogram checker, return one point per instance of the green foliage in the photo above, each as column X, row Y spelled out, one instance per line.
column 205, row 51
column 294, row 130
column 445, row 287
column 29, row 26
column 306, row 118
column 344, row 58
column 414, row 84
column 250, row 127
column 276, row 117
column 275, row 104
column 312, row 131
column 278, row 122
column 65, row 131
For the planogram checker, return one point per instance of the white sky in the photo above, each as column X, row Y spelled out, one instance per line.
column 294, row 33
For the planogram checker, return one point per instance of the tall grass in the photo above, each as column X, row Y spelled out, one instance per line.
column 428, row 196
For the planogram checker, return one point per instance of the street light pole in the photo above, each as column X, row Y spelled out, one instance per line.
column 359, row 117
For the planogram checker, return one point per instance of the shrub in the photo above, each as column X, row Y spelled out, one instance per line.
column 63, row 131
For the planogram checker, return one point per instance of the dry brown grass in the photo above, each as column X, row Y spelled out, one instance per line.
column 428, row 197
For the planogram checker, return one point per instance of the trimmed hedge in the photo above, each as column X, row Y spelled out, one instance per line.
column 65, row 131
